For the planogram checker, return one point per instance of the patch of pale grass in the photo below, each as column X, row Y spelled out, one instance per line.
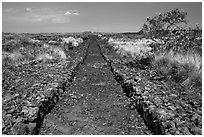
column 5, row 54
column 183, row 68
column 46, row 45
column 190, row 58
column 51, row 52
column 134, row 48
column 72, row 40
column 60, row 52
column 16, row 55
column 44, row 56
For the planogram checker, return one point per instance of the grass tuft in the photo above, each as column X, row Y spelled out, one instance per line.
column 185, row 69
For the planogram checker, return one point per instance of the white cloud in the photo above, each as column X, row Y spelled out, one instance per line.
column 46, row 15
column 68, row 13
column 28, row 9
column 75, row 13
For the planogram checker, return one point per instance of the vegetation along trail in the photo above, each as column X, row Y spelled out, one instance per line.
column 94, row 104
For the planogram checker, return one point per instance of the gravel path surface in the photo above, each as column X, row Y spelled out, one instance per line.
column 94, row 103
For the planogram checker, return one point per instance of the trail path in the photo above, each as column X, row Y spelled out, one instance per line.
column 94, row 103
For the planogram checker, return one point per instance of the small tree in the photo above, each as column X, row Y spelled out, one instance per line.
column 162, row 24
column 170, row 28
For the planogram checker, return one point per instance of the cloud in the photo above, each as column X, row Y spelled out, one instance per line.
column 28, row 9
column 11, row 10
column 46, row 15
column 76, row 13
column 68, row 13
column 38, row 15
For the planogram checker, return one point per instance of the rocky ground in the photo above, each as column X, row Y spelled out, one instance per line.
column 96, row 92
column 31, row 90
column 167, row 108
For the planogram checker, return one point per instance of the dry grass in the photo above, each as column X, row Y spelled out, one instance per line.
column 16, row 55
column 23, row 55
column 132, row 48
column 185, row 69
column 51, row 52
column 60, row 52
column 22, row 49
column 43, row 56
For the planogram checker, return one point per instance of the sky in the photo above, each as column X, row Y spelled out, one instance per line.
column 47, row 17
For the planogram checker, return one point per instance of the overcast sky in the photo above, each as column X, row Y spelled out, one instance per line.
column 79, row 17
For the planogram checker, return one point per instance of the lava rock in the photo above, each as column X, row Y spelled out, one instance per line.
column 20, row 129
column 196, row 130
column 184, row 130
column 158, row 102
column 172, row 108
column 31, row 127
column 30, row 112
column 161, row 111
